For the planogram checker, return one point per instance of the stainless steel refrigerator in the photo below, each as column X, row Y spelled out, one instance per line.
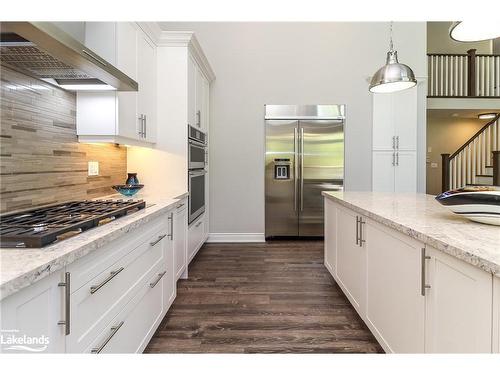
column 304, row 156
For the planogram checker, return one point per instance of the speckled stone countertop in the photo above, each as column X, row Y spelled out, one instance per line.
column 421, row 217
column 20, row 268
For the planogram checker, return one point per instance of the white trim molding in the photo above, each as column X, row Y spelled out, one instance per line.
column 235, row 237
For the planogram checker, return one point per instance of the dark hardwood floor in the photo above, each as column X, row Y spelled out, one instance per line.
column 276, row 297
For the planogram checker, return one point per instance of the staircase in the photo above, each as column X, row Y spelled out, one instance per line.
column 477, row 162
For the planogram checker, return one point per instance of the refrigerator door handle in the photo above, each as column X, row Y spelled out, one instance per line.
column 302, row 169
column 296, row 168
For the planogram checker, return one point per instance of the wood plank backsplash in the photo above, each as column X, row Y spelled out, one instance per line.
column 41, row 161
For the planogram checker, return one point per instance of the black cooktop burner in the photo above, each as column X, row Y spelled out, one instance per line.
column 42, row 226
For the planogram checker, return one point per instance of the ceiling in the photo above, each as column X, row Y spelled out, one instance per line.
column 458, row 113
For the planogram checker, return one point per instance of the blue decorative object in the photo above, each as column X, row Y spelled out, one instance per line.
column 127, row 190
column 132, row 179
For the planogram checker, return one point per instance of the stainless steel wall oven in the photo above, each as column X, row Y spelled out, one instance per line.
column 197, row 161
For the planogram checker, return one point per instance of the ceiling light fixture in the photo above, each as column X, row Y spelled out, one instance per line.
column 393, row 76
column 487, row 116
column 474, row 31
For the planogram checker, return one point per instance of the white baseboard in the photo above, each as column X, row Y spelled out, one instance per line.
column 236, row 237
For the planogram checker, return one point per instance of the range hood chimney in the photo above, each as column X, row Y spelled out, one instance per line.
column 42, row 50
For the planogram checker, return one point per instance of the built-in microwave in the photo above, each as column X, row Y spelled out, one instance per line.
column 197, row 148
column 196, row 181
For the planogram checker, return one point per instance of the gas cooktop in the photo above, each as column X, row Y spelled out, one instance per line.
column 43, row 226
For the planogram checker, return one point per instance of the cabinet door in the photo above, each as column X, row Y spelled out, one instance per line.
column 146, row 72
column 383, row 124
column 191, row 92
column 180, row 240
column 405, row 118
column 496, row 314
column 350, row 268
column 169, row 279
column 395, row 307
column 35, row 312
column 199, row 97
column 205, row 108
column 330, row 235
column 383, row 171
column 128, row 124
column 458, row 306
column 405, row 172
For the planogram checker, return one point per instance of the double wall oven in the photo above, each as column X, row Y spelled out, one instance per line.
column 197, row 161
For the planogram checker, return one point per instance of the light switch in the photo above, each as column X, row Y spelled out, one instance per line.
column 434, row 165
column 429, row 149
column 93, row 168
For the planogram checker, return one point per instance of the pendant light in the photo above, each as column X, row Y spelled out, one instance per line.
column 393, row 76
column 474, row 31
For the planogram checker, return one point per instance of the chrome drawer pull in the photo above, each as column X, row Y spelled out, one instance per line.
column 114, row 329
column 95, row 288
column 161, row 237
column 160, row 275
column 199, row 223
column 67, row 303
column 179, row 206
column 423, row 285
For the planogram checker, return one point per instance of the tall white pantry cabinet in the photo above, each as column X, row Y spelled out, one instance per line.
column 394, row 141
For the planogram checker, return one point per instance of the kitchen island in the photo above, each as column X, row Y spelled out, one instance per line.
column 422, row 278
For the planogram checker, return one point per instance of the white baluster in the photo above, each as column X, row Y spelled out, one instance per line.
column 441, row 70
column 486, row 84
column 497, row 70
column 464, row 78
column 487, row 141
column 474, row 161
column 461, row 76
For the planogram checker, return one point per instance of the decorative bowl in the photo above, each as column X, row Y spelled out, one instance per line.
column 476, row 203
column 127, row 190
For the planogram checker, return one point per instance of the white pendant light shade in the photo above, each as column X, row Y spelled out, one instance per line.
column 393, row 76
column 474, row 31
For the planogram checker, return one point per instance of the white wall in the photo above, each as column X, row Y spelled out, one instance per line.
column 289, row 63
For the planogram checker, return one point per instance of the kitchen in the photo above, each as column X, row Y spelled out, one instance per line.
column 195, row 262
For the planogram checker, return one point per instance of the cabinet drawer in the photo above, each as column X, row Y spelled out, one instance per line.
column 196, row 233
column 94, row 305
column 132, row 328
column 92, row 265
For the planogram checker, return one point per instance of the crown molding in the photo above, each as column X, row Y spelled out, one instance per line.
column 185, row 39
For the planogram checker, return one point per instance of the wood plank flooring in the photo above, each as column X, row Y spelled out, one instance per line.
column 275, row 297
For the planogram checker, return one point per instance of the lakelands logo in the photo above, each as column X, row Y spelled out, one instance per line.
column 12, row 340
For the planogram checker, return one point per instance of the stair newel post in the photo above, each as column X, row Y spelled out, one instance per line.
column 445, row 172
column 471, row 72
column 496, row 168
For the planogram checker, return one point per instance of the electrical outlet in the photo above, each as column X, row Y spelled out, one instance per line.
column 93, row 169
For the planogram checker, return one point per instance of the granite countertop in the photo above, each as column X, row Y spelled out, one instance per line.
column 421, row 217
column 20, row 268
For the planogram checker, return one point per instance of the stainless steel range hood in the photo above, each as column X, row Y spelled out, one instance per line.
column 43, row 50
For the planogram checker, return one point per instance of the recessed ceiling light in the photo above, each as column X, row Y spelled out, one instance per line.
column 486, row 116
column 474, row 31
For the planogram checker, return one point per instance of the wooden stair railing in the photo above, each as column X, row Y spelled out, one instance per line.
column 474, row 158
column 468, row 75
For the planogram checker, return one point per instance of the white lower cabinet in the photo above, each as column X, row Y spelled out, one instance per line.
column 395, row 306
column 35, row 312
column 414, row 298
column 350, row 270
column 458, row 306
column 180, row 239
column 496, row 315
column 131, row 329
column 110, row 301
column 330, row 237
column 196, row 236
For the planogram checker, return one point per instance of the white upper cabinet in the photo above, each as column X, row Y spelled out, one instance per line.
column 395, row 120
column 191, row 104
column 123, row 117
